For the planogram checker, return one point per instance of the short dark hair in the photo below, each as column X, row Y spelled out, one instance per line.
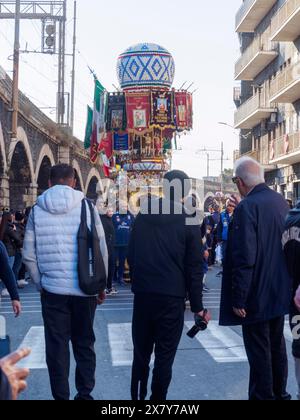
column 183, row 180
column 61, row 174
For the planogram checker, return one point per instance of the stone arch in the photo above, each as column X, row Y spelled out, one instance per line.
column 45, row 152
column 45, row 162
column 93, row 179
column 21, row 191
column 78, row 174
column 3, row 162
column 21, row 138
column 43, row 175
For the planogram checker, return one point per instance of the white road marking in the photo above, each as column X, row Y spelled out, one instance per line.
column 121, row 346
column 34, row 340
column 120, row 343
column 223, row 344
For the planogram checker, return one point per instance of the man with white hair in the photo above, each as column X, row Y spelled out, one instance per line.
column 257, row 289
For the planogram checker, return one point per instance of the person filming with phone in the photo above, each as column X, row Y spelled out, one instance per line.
column 166, row 264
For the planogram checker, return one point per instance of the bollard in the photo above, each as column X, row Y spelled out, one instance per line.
column 4, row 339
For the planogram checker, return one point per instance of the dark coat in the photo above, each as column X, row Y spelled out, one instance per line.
column 291, row 245
column 109, row 231
column 7, row 275
column 5, row 389
column 255, row 276
column 12, row 239
column 166, row 255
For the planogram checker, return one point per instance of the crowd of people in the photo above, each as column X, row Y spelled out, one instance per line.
column 169, row 253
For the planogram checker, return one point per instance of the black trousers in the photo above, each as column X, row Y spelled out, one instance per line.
column 266, row 351
column 70, row 318
column 157, row 326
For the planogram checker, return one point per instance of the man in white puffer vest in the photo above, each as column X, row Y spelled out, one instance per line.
column 51, row 256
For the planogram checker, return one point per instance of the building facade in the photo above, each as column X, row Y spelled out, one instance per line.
column 268, row 92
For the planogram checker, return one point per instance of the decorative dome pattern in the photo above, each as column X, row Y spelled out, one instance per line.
column 146, row 65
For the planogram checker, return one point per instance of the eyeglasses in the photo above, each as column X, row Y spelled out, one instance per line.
column 235, row 179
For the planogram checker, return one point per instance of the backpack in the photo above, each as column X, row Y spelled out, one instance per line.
column 91, row 268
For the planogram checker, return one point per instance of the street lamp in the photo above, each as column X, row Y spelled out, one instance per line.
column 244, row 136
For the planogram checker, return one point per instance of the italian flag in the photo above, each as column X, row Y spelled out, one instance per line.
column 89, row 128
column 95, row 138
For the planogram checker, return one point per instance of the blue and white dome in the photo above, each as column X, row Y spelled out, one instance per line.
column 146, row 65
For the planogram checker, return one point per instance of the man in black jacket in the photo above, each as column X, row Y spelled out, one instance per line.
column 257, row 288
column 166, row 264
column 291, row 246
column 110, row 237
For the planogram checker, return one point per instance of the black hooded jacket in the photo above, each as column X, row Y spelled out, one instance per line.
column 166, row 255
column 291, row 244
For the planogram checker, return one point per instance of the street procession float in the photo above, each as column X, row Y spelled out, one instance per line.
column 133, row 130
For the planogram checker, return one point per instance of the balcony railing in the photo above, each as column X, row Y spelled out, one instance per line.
column 260, row 53
column 286, row 23
column 286, row 149
column 285, row 87
column 254, row 154
column 251, row 13
column 253, row 111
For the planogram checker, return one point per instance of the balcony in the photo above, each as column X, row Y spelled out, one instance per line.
column 286, row 23
column 253, row 112
column 251, row 14
column 260, row 53
column 286, row 150
column 285, row 87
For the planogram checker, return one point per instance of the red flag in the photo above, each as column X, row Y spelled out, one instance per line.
column 106, row 145
column 181, row 110
column 138, row 111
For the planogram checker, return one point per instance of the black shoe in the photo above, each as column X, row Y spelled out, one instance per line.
column 83, row 398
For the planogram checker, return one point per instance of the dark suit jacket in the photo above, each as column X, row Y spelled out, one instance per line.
column 255, row 273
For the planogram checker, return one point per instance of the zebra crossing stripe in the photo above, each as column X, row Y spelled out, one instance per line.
column 223, row 344
column 34, row 340
column 120, row 343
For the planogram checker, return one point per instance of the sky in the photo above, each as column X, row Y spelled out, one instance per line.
column 198, row 33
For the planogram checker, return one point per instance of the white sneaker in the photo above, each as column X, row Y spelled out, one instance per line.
column 22, row 283
column 5, row 293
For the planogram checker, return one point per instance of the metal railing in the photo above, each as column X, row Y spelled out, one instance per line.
column 283, row 14
column 245, row 7
column 286, row 144
column 261, row 43
column 256, row 102
column 284, row 79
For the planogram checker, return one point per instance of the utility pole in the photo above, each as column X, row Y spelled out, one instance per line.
column 222, row 166
column 73, row 67
column 208, row 163
column 51, row 13
column 221, row 151
column 61, row 68
column 15, row 87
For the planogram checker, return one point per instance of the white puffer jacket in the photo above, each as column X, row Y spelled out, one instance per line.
column 50, row 248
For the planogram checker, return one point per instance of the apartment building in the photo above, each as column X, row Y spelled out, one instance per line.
column 267, row 95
